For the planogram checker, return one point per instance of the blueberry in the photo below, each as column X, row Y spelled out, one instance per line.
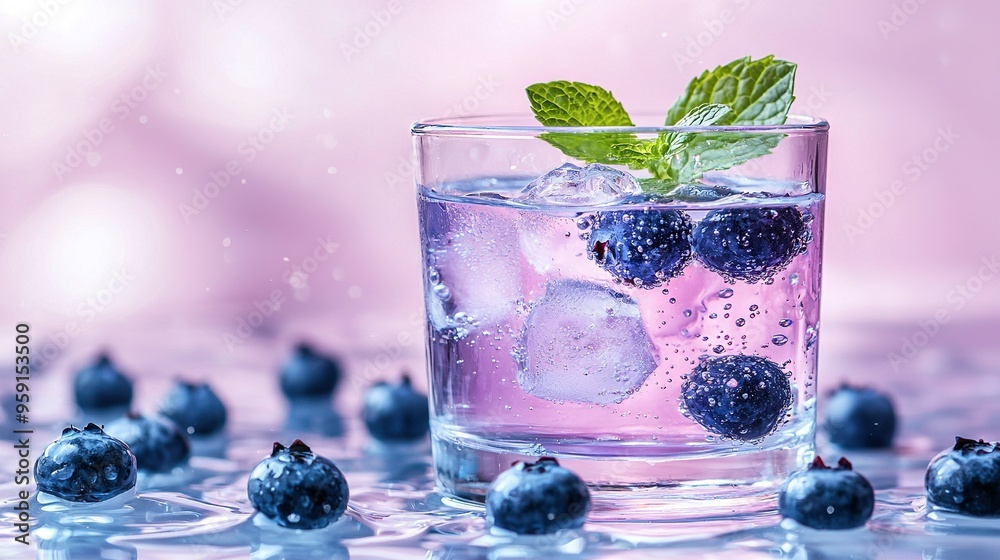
column 158, row 444
column 101, row 386
column 860, row 418
column 827, row 498
column 750, row 244
column 643, row 248
column 740, row 396
column 297, row 488
column 396, row 413
column 966, row 478
column 195, row 408
column 85, row 465
column 307, row 374
column 537, row 498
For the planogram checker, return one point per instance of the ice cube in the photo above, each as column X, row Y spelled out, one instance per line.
column 571, row 185
column 584, row 342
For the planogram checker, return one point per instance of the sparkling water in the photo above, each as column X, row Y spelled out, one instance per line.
column 536, row 350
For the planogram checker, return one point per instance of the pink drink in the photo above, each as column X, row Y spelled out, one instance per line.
column 513, row 285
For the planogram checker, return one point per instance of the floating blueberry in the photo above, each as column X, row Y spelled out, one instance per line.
column 85, row 465
column 827, row 498
column 749, row 244
column 102, row 386
column 966, row 478
column 860, row 418
column 739, row 396
column 537, row 498
column 297, row 488
column 195, row 408
column 643, row 248
column 307, row 374
column 158, row 444
column 396, row 413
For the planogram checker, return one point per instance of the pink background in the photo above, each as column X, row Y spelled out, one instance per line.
column 116, row 115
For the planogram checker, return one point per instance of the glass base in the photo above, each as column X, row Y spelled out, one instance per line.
column 632, row 487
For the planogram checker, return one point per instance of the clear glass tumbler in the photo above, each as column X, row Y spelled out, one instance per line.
column 662, row 344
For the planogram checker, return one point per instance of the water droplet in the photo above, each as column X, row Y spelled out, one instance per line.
column 331, row 170
column 718, row 349
column 779, row 339
column 785, row 323
column 583, row 222
column 753, row 307
column 179, row 171
column 672, row 300
column 728, row 306
column 713, row 316
column 143, row 119
column 725, row 294
column 740, row 322
column 687, row 312
column 226, row 242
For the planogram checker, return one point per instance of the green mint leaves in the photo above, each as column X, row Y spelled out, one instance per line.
column 743, row 92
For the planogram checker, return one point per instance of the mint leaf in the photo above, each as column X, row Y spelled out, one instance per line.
column 563, row 103
column 714, row 151
column 758, row 91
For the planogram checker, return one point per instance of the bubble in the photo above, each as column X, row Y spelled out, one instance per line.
column 687, row 312
column 785, row 323
column 226, row 242
column 726, row 294
column 727, row 307
column 179, row 171
column 718, row 349
column 779, row 339
column 740, row 322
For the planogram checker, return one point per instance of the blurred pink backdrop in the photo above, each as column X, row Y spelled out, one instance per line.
column 185, row 165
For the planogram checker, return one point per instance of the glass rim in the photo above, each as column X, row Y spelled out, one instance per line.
column 479, row 125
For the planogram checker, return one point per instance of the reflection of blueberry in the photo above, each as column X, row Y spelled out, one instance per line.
column 966, row 478
column 396, row 413
column 537, row 498
column 827, row 498
column 749, row 244
column 85, row 466
column 641, row 247
column 297, row 488
column 860, row 418
column 101, row 386
column 738, row 396
column 307, row 374
column 158, row 445
column 195, row 408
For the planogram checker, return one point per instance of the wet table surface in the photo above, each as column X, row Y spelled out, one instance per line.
column 949, row 387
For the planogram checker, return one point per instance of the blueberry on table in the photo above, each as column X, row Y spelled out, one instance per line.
column 643, row 248
column 739, row 396
column 537, row 498
column 966, row 478
column 827, row 498
column 750, row 244
column 308, row 374
column 195, row 408
column 85, row 465
column 157, row 443
column 102, row 386
column 860, row 418
column 297, row 488
column 396, row 413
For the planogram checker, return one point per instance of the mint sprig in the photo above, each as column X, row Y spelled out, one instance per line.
column 743, row 92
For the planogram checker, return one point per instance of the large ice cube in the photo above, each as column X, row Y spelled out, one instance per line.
column 584, row 342
column 571, row 185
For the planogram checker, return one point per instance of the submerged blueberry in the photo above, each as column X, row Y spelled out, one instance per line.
column 827, row 498
column 308, row 374
column 195, row 408
column 750, row 244
column 396, row 413
column 644, row 248
column 297, row 488
column 158, row 445
column 739, row 396
column 102, row 386
column 537, row 498
column 85, row 465
column 966, row 478
column 860, row 418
